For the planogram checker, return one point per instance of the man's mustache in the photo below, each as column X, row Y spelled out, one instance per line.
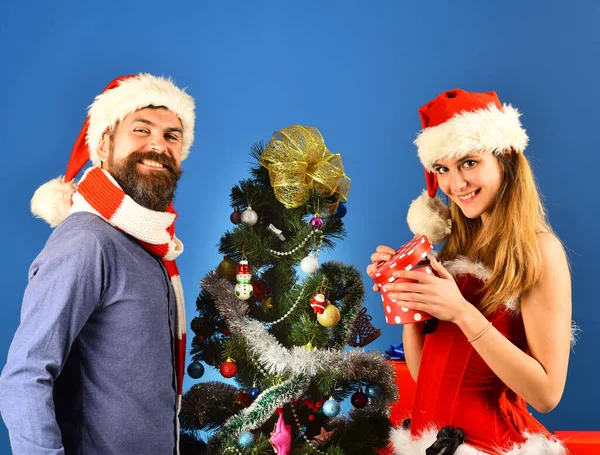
column 161, row 158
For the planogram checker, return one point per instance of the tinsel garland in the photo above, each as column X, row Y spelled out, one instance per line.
column 206, row 406
column 264, row 406
column 276, row 359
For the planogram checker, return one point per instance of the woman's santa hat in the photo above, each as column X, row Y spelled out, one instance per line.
column 121, row 97
column 455, row 124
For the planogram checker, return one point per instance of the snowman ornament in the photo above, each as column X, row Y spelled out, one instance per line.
column 243, row 287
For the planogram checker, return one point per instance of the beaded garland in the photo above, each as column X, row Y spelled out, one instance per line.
column 310, row 443
column 316, row 232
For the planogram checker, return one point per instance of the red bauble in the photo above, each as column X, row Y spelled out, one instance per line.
column 236, row 216
column 259, row 289
column 243, row 399
column 228, row 368
column 359, row 399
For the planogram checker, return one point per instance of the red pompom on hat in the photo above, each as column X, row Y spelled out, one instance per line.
column 455, row 124
column 123, row 96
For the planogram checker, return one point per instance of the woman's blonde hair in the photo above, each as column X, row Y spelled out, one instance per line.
column 507, row 242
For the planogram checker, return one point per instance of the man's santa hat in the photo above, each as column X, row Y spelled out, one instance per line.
column 121, row 97
column 455, row 124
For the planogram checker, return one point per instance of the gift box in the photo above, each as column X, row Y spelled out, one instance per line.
column 580, row 442
column 409, row 256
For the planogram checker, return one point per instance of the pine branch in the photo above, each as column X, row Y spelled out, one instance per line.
column 363, row 433
column 347, row 291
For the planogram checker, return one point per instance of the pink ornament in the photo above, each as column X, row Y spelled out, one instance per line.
column 316, row 222
column 281, row 438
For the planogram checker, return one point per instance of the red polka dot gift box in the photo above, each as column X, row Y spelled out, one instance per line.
column 410, row 256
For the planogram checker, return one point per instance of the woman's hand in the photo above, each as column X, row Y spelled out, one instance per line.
column 438, row 296
column 382, row 253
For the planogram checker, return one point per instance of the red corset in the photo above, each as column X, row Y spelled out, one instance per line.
column 455, row 386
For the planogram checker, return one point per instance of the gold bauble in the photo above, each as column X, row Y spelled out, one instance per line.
column 227, row 268
column 329, row 317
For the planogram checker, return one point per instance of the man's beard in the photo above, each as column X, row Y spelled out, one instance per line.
column 152, row 189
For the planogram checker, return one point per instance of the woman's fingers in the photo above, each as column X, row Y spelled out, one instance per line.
column 405, row 286
column 413, row 305
column 421, row 277
column 440, row 269
column 385, row 249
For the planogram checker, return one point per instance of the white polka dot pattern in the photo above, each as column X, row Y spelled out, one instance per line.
column 408, row 257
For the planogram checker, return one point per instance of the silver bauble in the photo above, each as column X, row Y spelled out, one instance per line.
column 309, row 264
column 249, row 217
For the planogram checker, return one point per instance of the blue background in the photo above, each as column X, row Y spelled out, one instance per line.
column 356, row 70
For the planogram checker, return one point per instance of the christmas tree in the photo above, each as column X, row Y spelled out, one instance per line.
column 279, row 323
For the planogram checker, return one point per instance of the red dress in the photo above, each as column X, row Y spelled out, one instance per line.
column 456, row 388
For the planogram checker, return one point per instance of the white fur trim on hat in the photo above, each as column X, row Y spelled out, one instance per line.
column 52, row 201
column 134, row 94
column 429, row 216
column 535, row 443
column 484, row 130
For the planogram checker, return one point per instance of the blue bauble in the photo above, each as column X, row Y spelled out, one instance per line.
column 254, row 392
column 195, row 370
column 246, row 440
column 374, row 391
column 341, row 210
column 331, row 408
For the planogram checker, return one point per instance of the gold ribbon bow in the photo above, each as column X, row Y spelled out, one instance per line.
column 298, row 162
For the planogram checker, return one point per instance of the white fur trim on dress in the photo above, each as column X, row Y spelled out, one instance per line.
column 52, row 200
column 429, row 216
column 462, row 265
column 137, row 93
column 485, row 130
column 535, row 444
